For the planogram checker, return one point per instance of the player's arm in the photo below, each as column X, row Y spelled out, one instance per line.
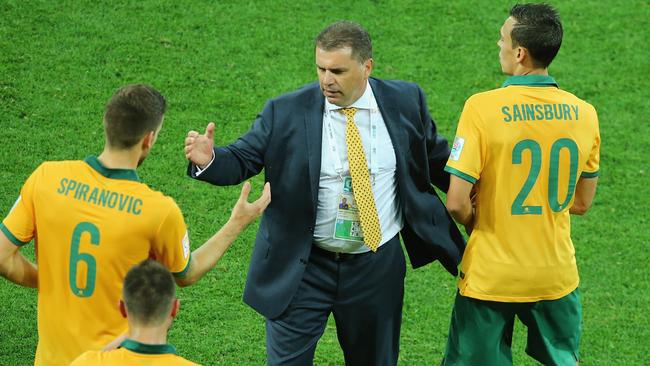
column 14, row 266
column 584, row 196
column 205, row 257
column 459, row 202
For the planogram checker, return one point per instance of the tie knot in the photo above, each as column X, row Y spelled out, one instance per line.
column 349, row 112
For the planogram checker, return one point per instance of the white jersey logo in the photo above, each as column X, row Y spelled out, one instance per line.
column 186, row 245
column 457, row 148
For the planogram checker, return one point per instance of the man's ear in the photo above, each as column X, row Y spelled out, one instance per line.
column 522, row 54
column 176, row 306
column 367, row 67
column 148, row 140
column 122, row 306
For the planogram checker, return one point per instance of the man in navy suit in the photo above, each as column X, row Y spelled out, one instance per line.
column 310, row 258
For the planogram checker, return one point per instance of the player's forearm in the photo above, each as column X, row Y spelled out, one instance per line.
column 19, row 270
column 207, row 255
column 461, row 211
column 459, row 200
column 584, row 195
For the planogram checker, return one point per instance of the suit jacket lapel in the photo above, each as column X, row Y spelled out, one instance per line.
column 314, row 131
column 391, row 117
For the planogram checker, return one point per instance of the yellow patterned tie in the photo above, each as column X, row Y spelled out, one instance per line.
column 361, row 183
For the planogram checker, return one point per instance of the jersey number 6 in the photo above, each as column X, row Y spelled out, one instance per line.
column 76, row 257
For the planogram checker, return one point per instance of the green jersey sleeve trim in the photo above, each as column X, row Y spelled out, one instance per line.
column 460, row 174
column 183, row 273
column 11, row 236
column 148, row 349
column 589, row 175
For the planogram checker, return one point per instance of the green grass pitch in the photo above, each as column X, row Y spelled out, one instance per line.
column 219, row 61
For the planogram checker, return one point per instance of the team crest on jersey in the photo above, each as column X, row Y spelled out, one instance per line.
column 457, row 148
column 186, row 245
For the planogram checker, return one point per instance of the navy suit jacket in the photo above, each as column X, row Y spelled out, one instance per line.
column 285, row 140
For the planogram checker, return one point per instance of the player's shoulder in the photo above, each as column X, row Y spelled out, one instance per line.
column 87, row 358
column 49, row 170
column 154, row 195
column 58, row 165
column 486, row 96
column 574, row 99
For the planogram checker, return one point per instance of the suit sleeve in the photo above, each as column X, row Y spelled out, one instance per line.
column 437, row 147
column 20, row 224
column 242, row 159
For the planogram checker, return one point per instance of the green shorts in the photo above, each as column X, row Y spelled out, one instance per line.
column 481, row 331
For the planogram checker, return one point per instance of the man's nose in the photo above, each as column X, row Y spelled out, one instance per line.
column 328, row 78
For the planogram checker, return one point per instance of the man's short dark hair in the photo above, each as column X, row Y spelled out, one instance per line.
column 539, row 30
column 346, row 34
column 149, row 292
column 132, row 112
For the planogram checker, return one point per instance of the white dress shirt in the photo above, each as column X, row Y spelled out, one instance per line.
column 383, row 177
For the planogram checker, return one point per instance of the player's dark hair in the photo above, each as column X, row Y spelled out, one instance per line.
column 149, row 292
column 539, row 30
column 132, row 112
column 346, row 34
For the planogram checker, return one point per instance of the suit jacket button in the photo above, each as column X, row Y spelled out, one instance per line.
column 311, row 229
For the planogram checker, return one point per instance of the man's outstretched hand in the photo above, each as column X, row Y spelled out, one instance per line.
column 244, row 212
column 198, row 148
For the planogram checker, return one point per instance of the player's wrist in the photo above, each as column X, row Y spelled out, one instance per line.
column 235, row 225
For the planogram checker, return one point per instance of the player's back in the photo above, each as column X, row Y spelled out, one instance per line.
column 134, row 354
column 535, row 141
column 91, row 225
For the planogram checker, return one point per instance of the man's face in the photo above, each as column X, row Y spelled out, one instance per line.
column 507, row 54
column 149, row 145
column 342, row 78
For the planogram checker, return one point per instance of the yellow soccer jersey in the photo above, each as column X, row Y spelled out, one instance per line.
column 90, row 225
column 524, row 146
column 134, row 353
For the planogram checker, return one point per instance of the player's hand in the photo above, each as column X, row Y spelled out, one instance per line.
column 472, row 196
column 198, row 148
column 245, row 212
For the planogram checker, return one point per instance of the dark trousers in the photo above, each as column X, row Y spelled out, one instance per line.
column 365, row 292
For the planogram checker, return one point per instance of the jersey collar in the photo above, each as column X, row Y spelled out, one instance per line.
column 149, row 349
column 530, row 80
column 125, row 174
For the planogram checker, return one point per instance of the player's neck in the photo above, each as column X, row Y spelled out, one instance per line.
column 149, row 335
column 119, row 159
column 522, row 70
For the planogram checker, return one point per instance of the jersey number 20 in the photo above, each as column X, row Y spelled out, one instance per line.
column 76, row 257
column 518, row 207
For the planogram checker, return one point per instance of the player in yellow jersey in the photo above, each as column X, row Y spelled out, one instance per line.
column 92, row 220
column 530, row 151
column 150, row 305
